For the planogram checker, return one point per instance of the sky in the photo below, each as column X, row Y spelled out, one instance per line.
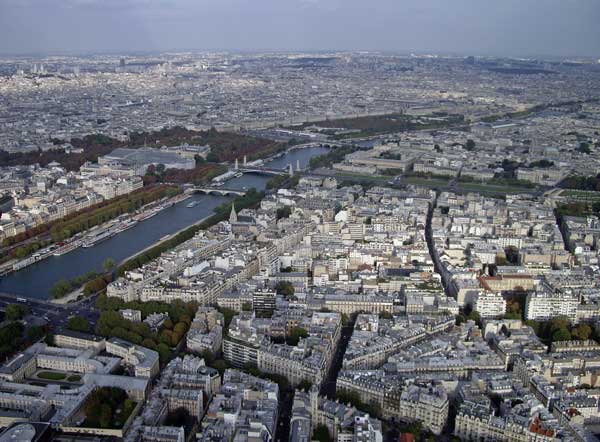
column 465, row 27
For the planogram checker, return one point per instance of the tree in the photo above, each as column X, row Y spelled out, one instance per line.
column 221, row 365
column 470, row 146
column 61, row 288
column 474, row 316
column 199, row 160
column 512, row 255
column 285, row 289
column 105, row 416
column 149, row 343
column 49, row 339
column 321, row 434
column 543, row 164
column 107, row 407
column 296, row 334
column 349, row 397
column 175, row 338
column 582, row 332
column 228, row 315
column 35, row 333
column 95, row 285
column 15, row 312
column 284, row 212
column 180, row 328
column 562, row 334
column 208, row 356
column 513, row 309
column 558, row 323
column 212, row 157
column 108, row 264
column 104, row 302
column 584, row 148
column 186, row 319
column 166, row 336
column 416, row 428
column 164, row 352
column 78, row 323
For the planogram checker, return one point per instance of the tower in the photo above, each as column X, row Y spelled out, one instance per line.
column 236, row 164
column 314, row 403
column 233, row 216
column 245, row 161
column 298, row 165
column 290, row 169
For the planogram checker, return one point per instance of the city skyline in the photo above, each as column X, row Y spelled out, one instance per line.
column 527, row 29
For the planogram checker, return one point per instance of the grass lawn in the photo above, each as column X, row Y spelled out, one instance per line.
column 74, row 378
column 425, row 181
column 495, row 188
column 468, row 186
column 51, row 375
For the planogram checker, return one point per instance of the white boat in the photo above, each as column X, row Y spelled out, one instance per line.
column 67, row 248
column 126, row 225
column 147, row 215
column 90, row 242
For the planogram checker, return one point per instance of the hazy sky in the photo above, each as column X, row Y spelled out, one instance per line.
column 494, row 27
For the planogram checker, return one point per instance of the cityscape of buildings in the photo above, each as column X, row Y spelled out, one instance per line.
column 430, row 273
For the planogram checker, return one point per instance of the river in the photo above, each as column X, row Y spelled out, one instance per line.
column 36, row 280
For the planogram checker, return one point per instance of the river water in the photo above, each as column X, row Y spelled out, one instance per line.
column 36, row 280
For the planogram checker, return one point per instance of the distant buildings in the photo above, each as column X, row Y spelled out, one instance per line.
column 294, row 269
column 138, row 160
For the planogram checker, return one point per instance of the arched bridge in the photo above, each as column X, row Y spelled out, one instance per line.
column 218, row 191
column 262, row 170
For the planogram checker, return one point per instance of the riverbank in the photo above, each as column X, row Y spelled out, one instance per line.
column 250, row 199
column 75, row 294
column 163, row 240
column 69, row 297
column 96, row 233
column 145, row 238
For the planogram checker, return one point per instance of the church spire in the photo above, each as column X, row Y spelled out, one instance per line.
column 232, row 215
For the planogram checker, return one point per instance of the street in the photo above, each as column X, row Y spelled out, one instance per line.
column 55, row 315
